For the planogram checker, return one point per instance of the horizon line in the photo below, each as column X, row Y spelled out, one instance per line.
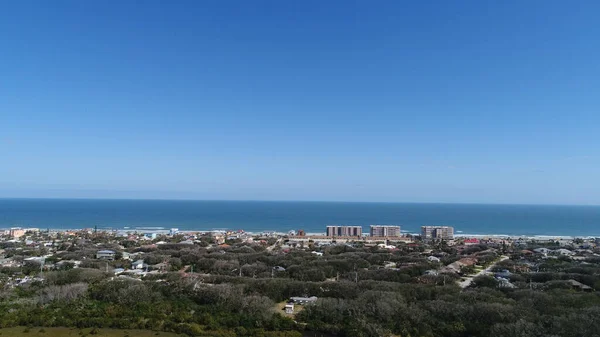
column 299, row 201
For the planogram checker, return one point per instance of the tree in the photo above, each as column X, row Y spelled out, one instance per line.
column 485, row 281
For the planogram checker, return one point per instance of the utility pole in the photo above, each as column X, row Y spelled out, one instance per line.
column 530, row 284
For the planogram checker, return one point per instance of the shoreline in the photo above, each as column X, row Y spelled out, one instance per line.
column 165, row 230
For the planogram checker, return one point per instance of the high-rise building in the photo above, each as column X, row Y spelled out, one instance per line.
column 344, row 230
column 16, row 232
column 437, row 232
column 385, row 231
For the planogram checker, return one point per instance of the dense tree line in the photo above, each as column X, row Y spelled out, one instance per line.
column 358, row 294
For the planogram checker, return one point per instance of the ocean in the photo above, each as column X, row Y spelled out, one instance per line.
column 312, row 217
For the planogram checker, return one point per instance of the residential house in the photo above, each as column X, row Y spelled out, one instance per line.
column 160, row 266
column 455, row 267
column 67, row 264
column 150, row 236
column 579, row 286
column 36, row 259
column 504, row 283
column 433, row 259
column 470, row 242
column 563, row 252
column 303, row 300
column 9, row 262
column 105, row 255
column 505, row 273
column 139, row 264
column 389, row 264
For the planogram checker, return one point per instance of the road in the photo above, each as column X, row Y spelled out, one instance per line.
column 270, row 248
column 469, row 279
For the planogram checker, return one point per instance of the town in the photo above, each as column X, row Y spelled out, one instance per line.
column 294, row 276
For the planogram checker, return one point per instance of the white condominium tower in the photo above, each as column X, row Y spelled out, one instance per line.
column 344, row 230
column 437, row 232
column 385, row 231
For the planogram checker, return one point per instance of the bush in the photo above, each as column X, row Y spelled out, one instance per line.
column 485, row 281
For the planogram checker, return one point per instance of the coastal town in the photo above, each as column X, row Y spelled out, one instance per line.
column 236, row 283
column 299, row 168
column 26, row 253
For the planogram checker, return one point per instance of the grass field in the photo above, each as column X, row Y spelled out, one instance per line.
column 57, row 332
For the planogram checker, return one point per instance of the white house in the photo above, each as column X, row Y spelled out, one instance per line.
column 139, row 264
column 389, row 264
column 304, row 300
column 564, row 252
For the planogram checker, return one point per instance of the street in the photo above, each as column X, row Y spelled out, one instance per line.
column 469, row 279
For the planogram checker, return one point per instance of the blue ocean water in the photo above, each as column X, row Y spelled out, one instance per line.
column 256, row 216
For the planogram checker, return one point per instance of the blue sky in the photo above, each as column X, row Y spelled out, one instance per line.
column 462, row 101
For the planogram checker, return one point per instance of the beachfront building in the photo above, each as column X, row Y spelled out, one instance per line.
column 16, row 232
column 437, row 233
column 344, row 230
column 384, row 231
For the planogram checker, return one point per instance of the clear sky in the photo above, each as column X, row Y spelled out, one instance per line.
column 422, row 101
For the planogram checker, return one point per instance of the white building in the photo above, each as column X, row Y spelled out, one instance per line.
column 139, row 264
column 437, row 232
column 16, row 232
column 385, row 231
column 105, row 255
column 344, row 230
